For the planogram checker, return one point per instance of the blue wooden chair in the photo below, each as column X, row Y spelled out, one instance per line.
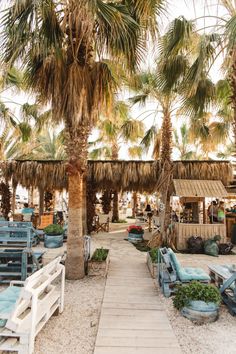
column 171, row 273
column 13, row 230
column 18, row 262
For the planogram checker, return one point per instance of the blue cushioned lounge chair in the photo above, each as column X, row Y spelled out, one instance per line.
column 171, row 273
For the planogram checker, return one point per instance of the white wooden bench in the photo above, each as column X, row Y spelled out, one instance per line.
column 41, row 296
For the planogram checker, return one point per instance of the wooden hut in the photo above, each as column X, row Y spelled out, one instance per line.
column 192, row 218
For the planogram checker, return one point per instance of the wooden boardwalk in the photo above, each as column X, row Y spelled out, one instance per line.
column 132, row 319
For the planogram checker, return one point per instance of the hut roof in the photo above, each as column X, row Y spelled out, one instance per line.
column 119, row 175
column 199, row 188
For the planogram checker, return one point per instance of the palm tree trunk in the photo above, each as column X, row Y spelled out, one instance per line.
column 13, row 198
column 232, row 80
column 135, row 200
column 41, row 201
column 115, row 204
column 166, row 150
column 75, row 241
column 77, row 150
column 90, row 204
column 115, row 210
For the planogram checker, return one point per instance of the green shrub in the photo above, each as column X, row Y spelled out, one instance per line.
column 153, row 254
column 100, row 254
column 195, row 291
column 53, row 230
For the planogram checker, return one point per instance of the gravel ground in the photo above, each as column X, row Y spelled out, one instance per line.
column 74, row 331
column 218, row 337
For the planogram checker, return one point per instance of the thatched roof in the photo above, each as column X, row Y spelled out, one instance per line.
column 199, row 188
column 120, row 175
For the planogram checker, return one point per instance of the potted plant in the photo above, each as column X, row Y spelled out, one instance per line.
column 99, row 262
column 135, row 233
column 53, row 236
column 198, row 302
column 152, row 262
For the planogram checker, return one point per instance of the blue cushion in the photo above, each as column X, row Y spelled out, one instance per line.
column 8, row 298
column 174, row 260
column 188, row 274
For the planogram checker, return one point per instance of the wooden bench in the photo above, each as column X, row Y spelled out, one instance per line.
column 24, row 311
column 171, row 273
column 16, row 233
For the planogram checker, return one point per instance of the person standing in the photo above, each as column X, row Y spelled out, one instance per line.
column 221, row 212
column 212, row 212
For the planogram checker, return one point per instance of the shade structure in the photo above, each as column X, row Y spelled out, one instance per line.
column 199, row 188
column 140, row 176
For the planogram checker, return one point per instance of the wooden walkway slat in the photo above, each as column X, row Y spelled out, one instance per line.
column 132, row 319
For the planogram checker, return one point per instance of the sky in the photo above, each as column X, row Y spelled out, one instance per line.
column 189, row 9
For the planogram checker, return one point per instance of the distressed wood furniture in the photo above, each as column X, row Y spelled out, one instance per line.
column 45, row 220
column 18, row 264
column 224, row 276
column 31, row 307
column 170, row 273
column 17, row 234
column 102, row 223
column 19, row 261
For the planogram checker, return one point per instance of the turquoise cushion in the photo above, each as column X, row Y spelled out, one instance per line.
column 8, row 298
column 188, row 274
column 174, row 260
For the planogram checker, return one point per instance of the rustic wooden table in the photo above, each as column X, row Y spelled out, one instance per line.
column 220, row 273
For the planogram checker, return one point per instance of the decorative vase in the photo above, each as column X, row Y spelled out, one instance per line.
column 54, row 241
column 201, row 312
column 135, row 238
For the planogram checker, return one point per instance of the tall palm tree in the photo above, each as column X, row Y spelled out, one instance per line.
column 175, row 65
column 116, row 129
column 218, row 43
column 64, row 47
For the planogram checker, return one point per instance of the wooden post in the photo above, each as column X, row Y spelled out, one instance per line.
column 204, row 211
column 13, row 199
column 135, row 200
column 41, row 201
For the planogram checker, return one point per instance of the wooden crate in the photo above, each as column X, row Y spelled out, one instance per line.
column 99, row 268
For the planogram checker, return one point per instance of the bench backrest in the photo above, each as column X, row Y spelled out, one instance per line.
column 168, row 259
column 16, row 235
column 17, row 231
column 16, row 223
column 38, row 299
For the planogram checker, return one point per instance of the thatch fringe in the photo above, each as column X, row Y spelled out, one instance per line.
column 116, row 175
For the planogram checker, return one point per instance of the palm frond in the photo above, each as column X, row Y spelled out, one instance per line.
column 132, row 129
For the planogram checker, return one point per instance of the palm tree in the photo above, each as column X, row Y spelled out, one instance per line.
column 175, row 66
column 208, row 47
column 64, row 47
column 183, row 143
column 116, row 129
